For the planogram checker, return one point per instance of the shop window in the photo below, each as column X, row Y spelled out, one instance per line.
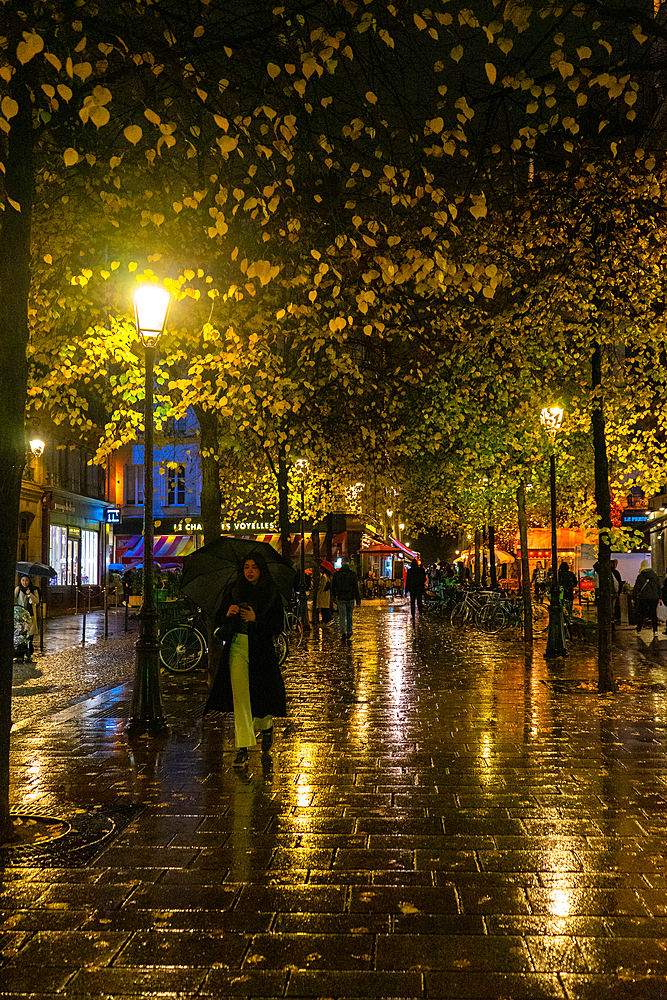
column 134, row 485
column 58, row 554
column 89, row 561
column 176, row 486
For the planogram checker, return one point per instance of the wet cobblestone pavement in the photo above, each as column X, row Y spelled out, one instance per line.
column 440, row 817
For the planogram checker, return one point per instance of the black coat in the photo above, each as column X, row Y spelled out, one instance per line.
column 415, row 580
column 267, row 689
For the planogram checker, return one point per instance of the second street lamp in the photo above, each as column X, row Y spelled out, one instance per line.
column 150, row 308
column 551, row 419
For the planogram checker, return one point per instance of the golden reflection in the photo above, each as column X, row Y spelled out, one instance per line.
column 560, row 902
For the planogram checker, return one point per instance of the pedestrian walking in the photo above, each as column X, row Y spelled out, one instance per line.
column 617, row 586
column 26, row 596
column 323, row 601
column 568, row 581
column 345, row 592
column 415, row 584
column 539, row 581
column 646, row 594
column 248, row 681
column 128, row 582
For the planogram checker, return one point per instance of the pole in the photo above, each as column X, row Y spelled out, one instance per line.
column 303, row 601
column 146, row 714
column 556, row 645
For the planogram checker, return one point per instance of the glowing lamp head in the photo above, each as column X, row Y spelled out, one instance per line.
column 551, row 419
column 390, row 513
column 37, row 447
column 150, row 312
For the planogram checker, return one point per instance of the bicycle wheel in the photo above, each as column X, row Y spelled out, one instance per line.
column 459, row 616
column 281, row 647
column 493, row 618
column 540, row 617
column 181, row 649
column 295, row 628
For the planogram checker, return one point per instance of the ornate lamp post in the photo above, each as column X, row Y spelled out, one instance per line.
column 551, row 419
column 301, row 467
column 150, row 309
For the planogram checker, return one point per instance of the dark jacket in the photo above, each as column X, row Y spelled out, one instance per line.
column 415, row 580
column 647, row 586
column 267, row 689
column 568, row 581
column 345, row 586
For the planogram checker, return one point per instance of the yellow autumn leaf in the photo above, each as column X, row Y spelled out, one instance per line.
column 490, row 72
column 272, row 70
column 370, row 97
column 457, row 53
column 419, row 21
column 227, row 143
column 9, row 107
column 32, row 44
column 436, row 124
column 133, row 134
column 48, row 259
column 70, row 156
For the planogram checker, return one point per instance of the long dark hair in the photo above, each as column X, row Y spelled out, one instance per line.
column 261, row 592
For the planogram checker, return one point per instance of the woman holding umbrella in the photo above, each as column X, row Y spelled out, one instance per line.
column 27, row 597
column 249, row 681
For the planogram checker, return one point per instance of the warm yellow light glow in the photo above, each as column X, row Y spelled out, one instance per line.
column 151, row 303
column 390, row 513
column 37, row 447
column 402, row 527
column 551, row 419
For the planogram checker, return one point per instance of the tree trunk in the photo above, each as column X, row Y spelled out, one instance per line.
column 603, row 503
column 283, row 507
column 211, row 504
column 211, row 495
column 478, row 542
column 492, row 557
column 15, row 240
column 525, row 570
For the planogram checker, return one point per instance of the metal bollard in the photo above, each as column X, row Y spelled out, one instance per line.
column 106, row 613
column 83, row 622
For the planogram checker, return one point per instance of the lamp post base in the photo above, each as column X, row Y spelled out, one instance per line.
column 556, row 644
column 146, row 714
column 303, row 610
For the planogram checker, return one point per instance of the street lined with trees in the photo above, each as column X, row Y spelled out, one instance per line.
column 392, row 236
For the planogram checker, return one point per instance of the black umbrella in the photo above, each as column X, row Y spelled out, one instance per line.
column 209, row 570
column 34, row 569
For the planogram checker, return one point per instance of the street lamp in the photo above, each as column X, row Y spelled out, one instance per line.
column 551, row 419
column 150, row 310
column 301, row 467
column 36, row 447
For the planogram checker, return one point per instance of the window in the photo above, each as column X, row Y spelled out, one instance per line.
column 89, row 564
column 176, row 486
column 58, row 556
column 175, row 428
column 134, row 485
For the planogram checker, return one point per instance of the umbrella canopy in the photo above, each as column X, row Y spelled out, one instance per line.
column 116, row 566
column 500, row 555
column 34, row 569
column 209, row 570
column 329, row 567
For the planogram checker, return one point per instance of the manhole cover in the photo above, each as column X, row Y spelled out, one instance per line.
column 70, row 838
column 32, row 831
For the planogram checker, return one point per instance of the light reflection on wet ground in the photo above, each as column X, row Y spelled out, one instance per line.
column 441, row 816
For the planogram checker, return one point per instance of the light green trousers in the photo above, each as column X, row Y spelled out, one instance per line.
column 245, row 725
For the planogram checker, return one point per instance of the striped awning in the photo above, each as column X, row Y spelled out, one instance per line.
column 164, row 547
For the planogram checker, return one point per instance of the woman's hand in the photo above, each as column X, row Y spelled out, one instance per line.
column 233, row 609
column 247, row 614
